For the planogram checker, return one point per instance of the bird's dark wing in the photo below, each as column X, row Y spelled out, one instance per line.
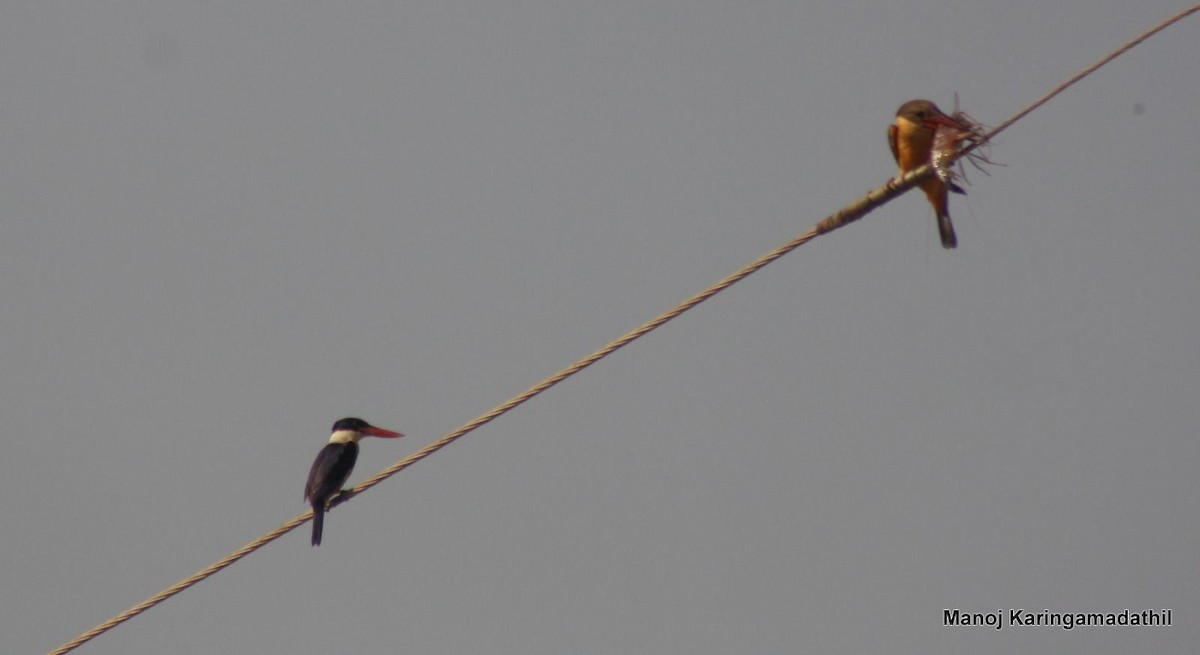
column 893, row 134
column 330, row 470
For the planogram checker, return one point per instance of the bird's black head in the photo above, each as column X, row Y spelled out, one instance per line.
column 353, row 424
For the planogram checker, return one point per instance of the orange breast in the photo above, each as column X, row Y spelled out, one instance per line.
column 913, row 144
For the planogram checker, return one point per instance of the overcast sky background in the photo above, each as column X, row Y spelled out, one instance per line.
column 225, row 225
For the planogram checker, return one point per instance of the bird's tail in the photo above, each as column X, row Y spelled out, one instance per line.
column 318, row 523
column 946, row 230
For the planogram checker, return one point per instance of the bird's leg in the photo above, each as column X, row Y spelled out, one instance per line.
column 340, row 497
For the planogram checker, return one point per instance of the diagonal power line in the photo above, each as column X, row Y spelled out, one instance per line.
column 848, row 214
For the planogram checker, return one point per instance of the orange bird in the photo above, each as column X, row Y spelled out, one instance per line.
column 911, row 138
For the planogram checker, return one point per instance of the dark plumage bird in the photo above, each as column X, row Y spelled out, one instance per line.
column 333, row 465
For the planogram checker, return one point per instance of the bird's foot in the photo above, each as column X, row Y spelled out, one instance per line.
column 340, row 497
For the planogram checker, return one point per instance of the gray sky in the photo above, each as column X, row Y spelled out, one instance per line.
column 223, row 226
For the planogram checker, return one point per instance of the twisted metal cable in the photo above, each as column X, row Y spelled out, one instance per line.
column 848, row 214
column 1091, row 69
